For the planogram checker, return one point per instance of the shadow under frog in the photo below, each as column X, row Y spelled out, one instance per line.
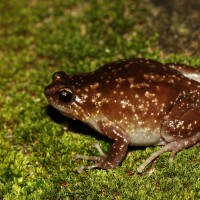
column 75, row 126
column 136, row 102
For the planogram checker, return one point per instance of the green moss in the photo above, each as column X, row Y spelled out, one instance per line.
column 38, row 38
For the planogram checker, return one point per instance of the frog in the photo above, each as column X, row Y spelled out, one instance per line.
column 135, row 102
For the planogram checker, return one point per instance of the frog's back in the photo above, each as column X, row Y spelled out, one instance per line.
column 136, row 94
column 138, row 74
column 136, row 90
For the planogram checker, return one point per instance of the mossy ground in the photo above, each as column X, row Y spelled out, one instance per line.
column 38, row 38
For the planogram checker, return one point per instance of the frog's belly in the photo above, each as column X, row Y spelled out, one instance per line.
column 136, row 136
column 145, row 137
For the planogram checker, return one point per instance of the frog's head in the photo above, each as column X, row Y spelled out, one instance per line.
column 62, row 95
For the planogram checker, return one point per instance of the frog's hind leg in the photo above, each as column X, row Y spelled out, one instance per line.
column 180, row 129
column 186, row 70
column 174, row 147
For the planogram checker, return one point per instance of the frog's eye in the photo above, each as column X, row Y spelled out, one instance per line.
column 65, row 95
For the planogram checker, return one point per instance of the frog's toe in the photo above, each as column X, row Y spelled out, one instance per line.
column 81, row 168
column 172, row 155
column 94, row 158
column 98, row 148
column 99, row 160
column 78, row 156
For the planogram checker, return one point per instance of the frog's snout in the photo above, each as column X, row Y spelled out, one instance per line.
column 48, row 91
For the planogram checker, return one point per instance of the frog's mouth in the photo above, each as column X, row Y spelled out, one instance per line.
column 64, row 110
column 56, row 105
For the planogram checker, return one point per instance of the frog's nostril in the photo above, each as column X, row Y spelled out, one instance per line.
column 48, row 91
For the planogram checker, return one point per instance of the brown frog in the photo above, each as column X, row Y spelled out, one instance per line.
column 137, row 102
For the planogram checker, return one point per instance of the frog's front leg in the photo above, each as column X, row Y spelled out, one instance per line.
column 117, row 152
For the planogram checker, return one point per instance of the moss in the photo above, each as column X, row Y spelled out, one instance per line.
column 38, row 38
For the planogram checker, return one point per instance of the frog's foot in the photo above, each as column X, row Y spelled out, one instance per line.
column 98, row 159
column 174, row 147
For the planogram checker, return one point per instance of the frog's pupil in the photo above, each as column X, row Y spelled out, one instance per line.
column 65, row 95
